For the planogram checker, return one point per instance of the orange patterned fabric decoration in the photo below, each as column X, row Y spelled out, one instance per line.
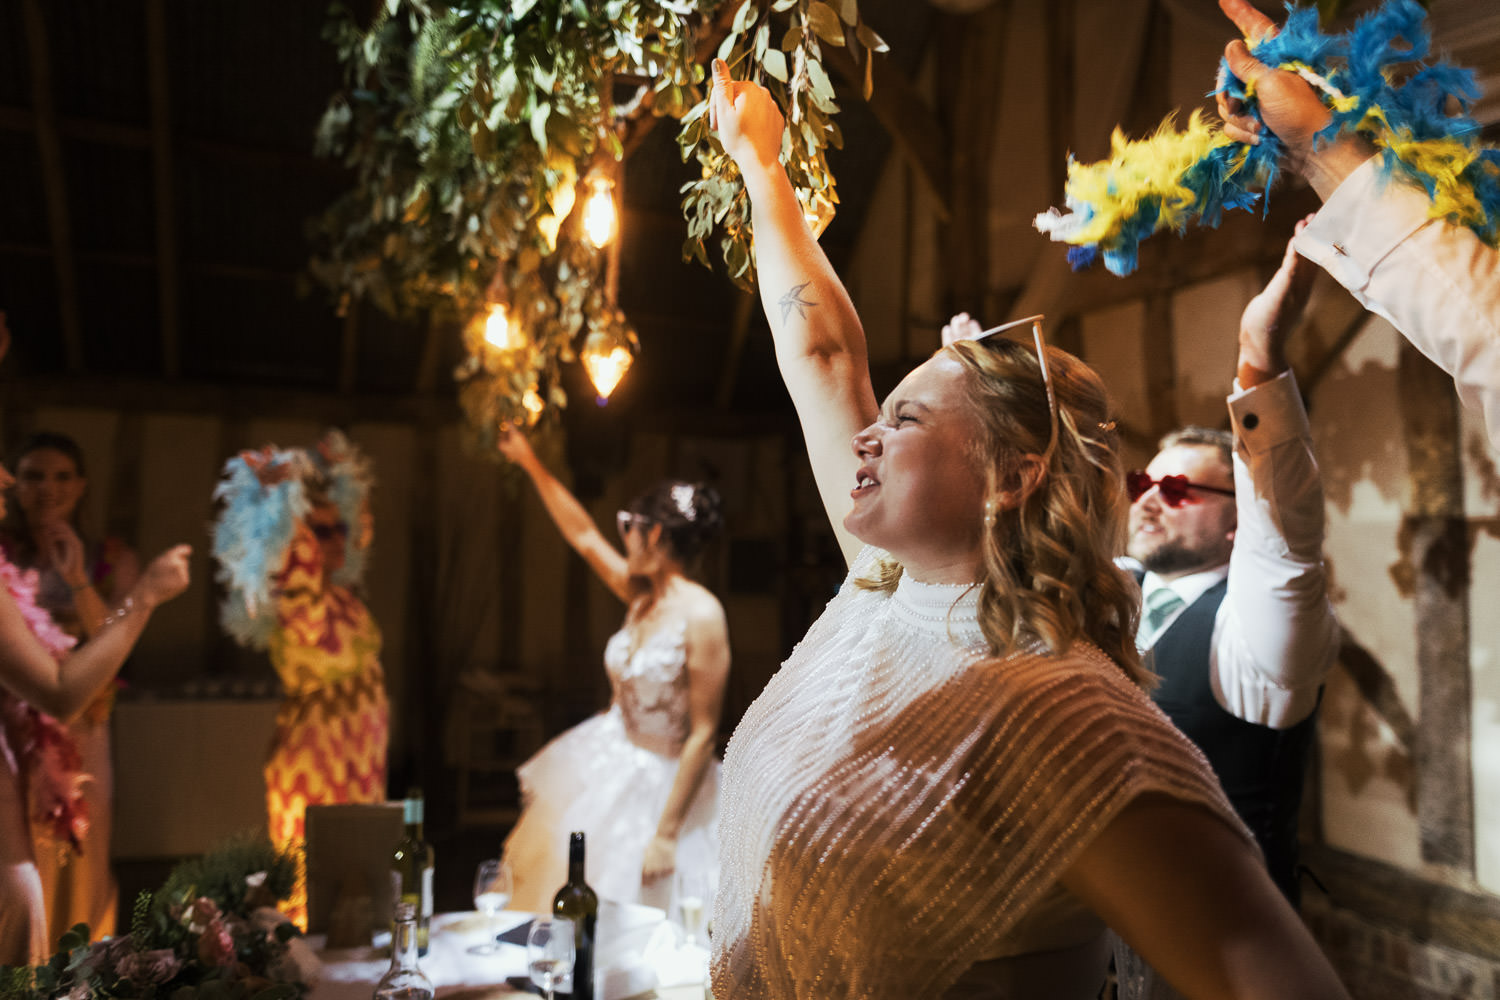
column 332, row 728
column 290, row 544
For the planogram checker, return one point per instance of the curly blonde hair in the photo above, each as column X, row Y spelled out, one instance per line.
column 1048, row 569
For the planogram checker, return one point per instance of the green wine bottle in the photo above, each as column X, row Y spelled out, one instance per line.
column 411, row 869
column 575, row 901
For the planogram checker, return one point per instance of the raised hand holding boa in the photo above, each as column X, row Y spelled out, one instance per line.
column 1177, row 178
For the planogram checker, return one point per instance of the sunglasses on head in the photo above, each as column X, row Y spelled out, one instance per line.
column 625, row 521
column 1173, row 490
column 1041, row 360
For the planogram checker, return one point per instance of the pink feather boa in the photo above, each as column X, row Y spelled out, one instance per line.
column 48, row 758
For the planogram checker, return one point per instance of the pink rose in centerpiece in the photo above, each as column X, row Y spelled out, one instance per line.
column 147, row 967
column 216, row 945
column 201, row 914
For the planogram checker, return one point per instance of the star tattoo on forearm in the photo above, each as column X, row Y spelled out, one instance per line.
column 794, row 300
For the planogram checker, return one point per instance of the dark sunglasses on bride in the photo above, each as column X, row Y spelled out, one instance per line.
column 625, row 521
column 1173, row 490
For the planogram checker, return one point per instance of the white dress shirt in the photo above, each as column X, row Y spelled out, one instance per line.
column 1275, row 637
column 1437, row 283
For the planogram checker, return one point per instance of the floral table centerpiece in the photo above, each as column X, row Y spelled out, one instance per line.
column 211, row 932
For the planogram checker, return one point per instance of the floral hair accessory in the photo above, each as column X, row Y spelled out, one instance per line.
column 682, row 496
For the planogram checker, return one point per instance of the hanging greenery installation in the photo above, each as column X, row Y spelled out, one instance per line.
column 473, row 128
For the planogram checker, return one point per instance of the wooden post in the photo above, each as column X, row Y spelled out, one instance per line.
column 161, row 175
column 54, row 183
column 349, row 350
column 1159, row 359
column 969, row 78
column 1436, row 536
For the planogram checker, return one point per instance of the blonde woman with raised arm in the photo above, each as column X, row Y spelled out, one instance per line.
column 956, row 781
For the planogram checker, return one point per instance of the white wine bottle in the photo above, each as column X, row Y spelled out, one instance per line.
column 411, row 869
column 575, row 901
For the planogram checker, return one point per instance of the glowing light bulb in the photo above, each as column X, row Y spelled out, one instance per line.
column 599, row 217
column 606, row 362
column 500, row 332
column 534, row 405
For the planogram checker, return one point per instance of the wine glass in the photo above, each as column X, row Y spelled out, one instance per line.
column 549, row 953
column 692, row 898
column 491, row 894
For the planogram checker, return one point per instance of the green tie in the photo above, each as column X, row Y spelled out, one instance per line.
column 1161, row 604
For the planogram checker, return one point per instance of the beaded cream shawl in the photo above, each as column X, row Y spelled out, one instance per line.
column 897, row 805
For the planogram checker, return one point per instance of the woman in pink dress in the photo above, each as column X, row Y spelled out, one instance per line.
column 43, row 679
column 78, row 580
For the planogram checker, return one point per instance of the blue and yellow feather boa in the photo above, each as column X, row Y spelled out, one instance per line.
column 1177, row 178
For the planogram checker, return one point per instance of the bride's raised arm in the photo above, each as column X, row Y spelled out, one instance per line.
column 820, row 345
column 573, row 521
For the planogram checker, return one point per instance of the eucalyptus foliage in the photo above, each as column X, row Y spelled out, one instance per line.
column 780, row 45
column 470, row 126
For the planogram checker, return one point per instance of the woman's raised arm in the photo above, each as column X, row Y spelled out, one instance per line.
column 820, row 345
column 577, row 527
column 63, row 688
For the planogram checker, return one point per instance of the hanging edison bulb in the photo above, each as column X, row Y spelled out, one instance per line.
column 818, row 209
column 532, row 401
column 502, row 331
column 600, row 219
column 608, row 352
column 605, row 361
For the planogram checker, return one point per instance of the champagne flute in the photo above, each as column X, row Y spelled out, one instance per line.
column 492, row 886
column 692, row 898
column 549, row 953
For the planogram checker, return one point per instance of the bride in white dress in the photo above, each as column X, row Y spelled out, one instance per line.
column 640, row 779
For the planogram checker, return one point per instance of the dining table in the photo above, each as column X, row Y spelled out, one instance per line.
column 639, row 954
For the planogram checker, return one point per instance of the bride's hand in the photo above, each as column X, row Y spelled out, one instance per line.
column 660, row 858
column 513, row 445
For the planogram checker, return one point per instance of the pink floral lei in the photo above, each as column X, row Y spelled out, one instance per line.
column 48, row 758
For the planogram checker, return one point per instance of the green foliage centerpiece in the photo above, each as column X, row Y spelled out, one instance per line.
column 211, row 932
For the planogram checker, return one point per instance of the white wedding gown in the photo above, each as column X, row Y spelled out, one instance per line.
column 610, row 776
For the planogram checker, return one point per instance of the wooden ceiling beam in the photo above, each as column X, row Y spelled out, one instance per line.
column 227, row 400
column 162, row 162
column 54, row 183
column 105, row 133
column 432, row 353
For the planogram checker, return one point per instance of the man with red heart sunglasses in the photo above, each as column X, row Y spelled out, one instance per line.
column 1228, row 528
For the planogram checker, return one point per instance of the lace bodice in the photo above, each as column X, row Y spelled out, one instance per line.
column 898, row 805
column 650, row 680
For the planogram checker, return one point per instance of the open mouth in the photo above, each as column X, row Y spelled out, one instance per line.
column 864, row 483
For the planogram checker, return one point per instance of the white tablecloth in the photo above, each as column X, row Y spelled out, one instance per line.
column 639, row 955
